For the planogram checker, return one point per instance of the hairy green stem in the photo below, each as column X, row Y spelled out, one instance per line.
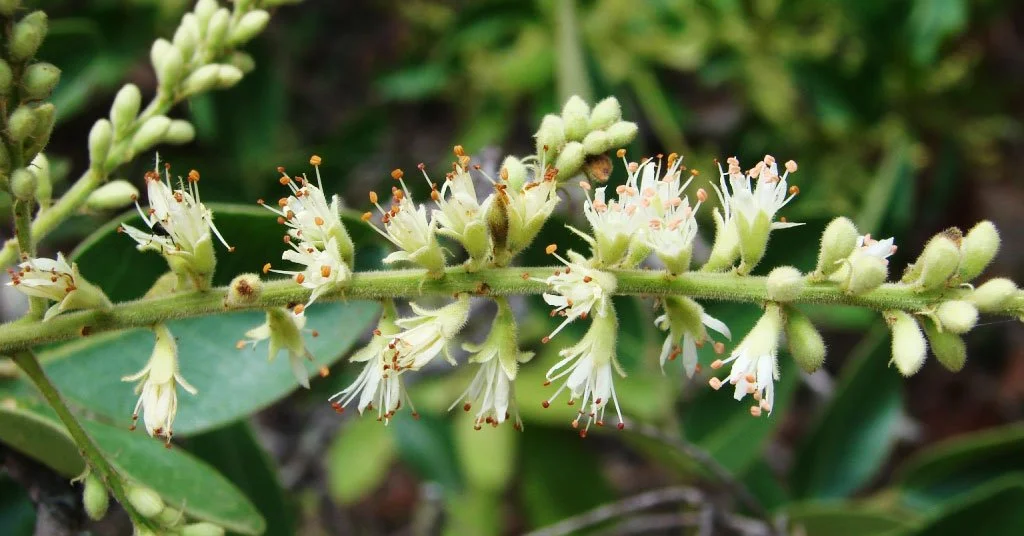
column 488, row 282
column 95, row 459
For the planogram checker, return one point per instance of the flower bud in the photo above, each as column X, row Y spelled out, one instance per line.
column 947, row 346
column 44, row 185
column 6, row 78
column 100, row 138
column 145, row 501
column 622, row 133
column 9, row 7
column 570, row 161
column 866, row 273
column 39, row 80
column 95, row 498
column 245, row 289
column 939, row 261
column 837, row 243
column 170, row 69
column 27, row 35
column 202, row 529
column 21, row 123
column 909, row 347
column 228, row 76
column 513, row 172
column 113, row 195
column 243, row 61
column 597, row 142
column 605, row 114
column 201, row 80
column 156, row 53
column 125, row 108
column 957, row 316
column 784, row 284
column 204, row 11
column 23, row 184
column 978, row 249
column 217, row 29
column 151, row 133
column 497, row 226
column 576, row 116
column 179, row 132
column 186, row 37
column 251, row 24
column 550, row 136
column 170, row 517
column 45, row 115
column 993, row 295
column 805, row 342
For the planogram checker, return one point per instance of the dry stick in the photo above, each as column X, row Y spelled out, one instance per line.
column 619, row 508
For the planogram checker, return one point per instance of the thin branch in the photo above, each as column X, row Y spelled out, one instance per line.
column 623, row 507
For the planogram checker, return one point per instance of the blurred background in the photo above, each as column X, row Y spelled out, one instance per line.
column 904, row 115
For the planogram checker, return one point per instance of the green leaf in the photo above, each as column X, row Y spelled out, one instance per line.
column 930, row 23
column 477, row 512
column 425, row 444
column 358, row 459
column 182, row 480
column 487, row 455
column 852, row 436
column 562, row 477
column 232, row 383
column 945, row 472
column 843, row 519
column 235, row 452
column 994, row 509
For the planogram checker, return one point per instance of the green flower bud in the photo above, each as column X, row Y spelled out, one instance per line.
column 947, row 346
column 228, row 76
column 113, row 195
column 939, row 260
column 993, row 295
column 204, row 11
column 805, row 342
column 497, row 224
column 550, row 136
column 39, row 80
column 957, row 316
column 202, row 529
column 23, row 184
column 186, row 37
column 27, row 35
column 570, row 161
column 9, row 7
column 513, row 172
column 245, row 289
column 125, row 108
column 151, row 133
column 145, row 501
column 6, row 78
column 576, row 116
column 217, row 29
column 21, row 123
column 170, row 68
column 201, row 80
column 784, row 284
column 95, row 498
column 909, row 347
column 179, row 132
column 605, row 114
column 837, row 243
column 100, row 138
column 622, row 133
column 157, row 52
column 243, row 61
column 45, row 115
column 170, row 517
column 597, row 142
column 978, row 249
column 251, row 24
column 866, row 273
column 44, row 186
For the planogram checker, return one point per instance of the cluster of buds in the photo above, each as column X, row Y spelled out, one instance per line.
column 576, row 141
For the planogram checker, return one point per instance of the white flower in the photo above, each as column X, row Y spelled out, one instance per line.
column 459, row 215
column 685, row 320
column 185, row 220
column 882, row 249
column 322, row 269
column 577, row 291
column 56, row 280
column 380, row 382
column 754, row 363
column 428, row 333
column 157, row 386
column 770, row 194
column 285, row 333
column 408, row 228
column 587, row 368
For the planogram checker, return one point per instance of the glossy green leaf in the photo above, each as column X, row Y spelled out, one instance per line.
column 954, row 467
column 844, row 519
column 487, row 455
column 425, row 444
column 359, row 459
column 182, row 480
column 851, row 438
column 994, row 509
